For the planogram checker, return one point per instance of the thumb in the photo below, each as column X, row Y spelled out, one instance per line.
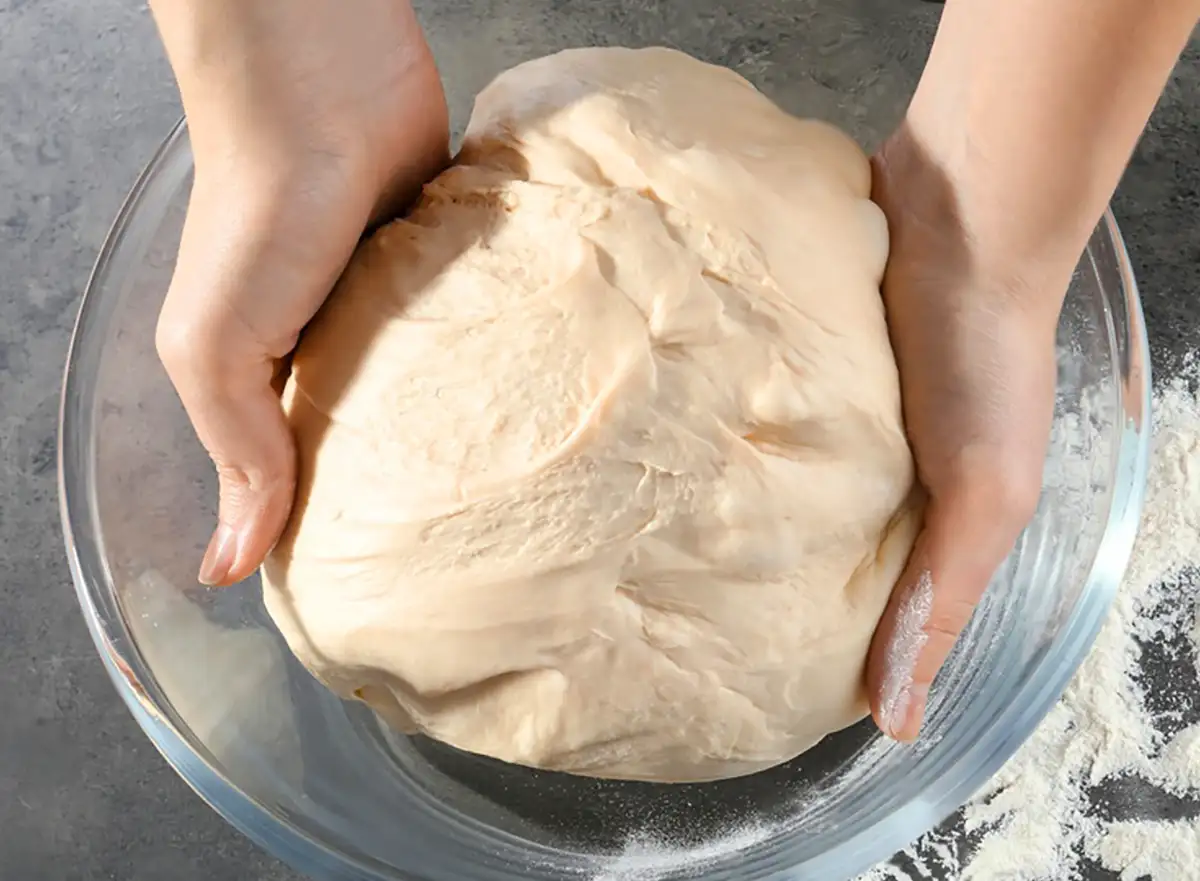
column 252, row 448
column 237, row 416
column 966, row 536
column 228, row 383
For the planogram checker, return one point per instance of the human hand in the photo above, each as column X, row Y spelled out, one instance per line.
column 991, row 188
column 973, row 333
column 307, row 123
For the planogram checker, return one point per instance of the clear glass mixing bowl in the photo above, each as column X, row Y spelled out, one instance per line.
column 323, row 786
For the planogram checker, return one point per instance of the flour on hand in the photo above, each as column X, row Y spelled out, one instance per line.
column 1048, row 814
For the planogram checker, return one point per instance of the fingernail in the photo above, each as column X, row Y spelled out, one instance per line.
column 899, row 698
column 918, row 697
column 904, row 723
column 220, row 556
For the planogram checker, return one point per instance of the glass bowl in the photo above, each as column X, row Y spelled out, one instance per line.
column 324, row 786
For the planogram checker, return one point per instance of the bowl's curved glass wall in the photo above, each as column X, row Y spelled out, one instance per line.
column 323, row 785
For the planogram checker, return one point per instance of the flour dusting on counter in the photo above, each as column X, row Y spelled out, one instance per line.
column 1066, row 801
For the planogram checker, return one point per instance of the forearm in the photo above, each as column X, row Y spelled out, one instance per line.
column 261, row 78
column 1031, row 109
column 202, row 33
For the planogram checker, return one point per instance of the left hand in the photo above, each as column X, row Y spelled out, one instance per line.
column 308, row 121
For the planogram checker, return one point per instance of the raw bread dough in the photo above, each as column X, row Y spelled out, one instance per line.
column 602, row 466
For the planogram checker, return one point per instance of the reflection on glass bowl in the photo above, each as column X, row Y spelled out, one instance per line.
column 327, row 788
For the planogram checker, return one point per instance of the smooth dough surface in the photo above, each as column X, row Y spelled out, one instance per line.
column 602, row 466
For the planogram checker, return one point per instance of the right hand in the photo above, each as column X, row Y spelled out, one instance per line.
column 973, row 329
column 307, row 125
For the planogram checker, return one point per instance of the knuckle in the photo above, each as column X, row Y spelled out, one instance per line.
column 169, row 343
column 267, row 475
column 1005, row 494
column 195, row 354
column 1019, row 493
column 941, row 633
column 950, row 617
column 181, row 345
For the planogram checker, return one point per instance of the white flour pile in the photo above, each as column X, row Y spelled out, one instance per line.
column 1120, row 736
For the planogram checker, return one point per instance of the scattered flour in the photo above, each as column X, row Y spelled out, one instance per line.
column 1050, row 814
column 1149, row 849
column 649, row 859
column 1179, row 764
column 1066, row 805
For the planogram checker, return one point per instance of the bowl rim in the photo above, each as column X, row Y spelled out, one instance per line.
column 1043, row 684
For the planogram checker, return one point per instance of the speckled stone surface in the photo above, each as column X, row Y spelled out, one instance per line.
column 86, row 98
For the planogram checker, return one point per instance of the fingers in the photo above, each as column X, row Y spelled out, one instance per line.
column 965, row 538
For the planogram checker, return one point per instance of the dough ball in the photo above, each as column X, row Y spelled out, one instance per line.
column 601, row 461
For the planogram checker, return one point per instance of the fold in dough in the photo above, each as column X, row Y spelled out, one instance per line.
column 601, row 461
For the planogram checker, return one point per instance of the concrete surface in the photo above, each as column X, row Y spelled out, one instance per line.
column 85, row 97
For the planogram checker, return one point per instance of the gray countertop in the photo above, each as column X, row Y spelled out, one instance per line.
column 86, row 98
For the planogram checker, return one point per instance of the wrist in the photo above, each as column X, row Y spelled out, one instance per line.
column 935, row 195
column 1025, row 117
